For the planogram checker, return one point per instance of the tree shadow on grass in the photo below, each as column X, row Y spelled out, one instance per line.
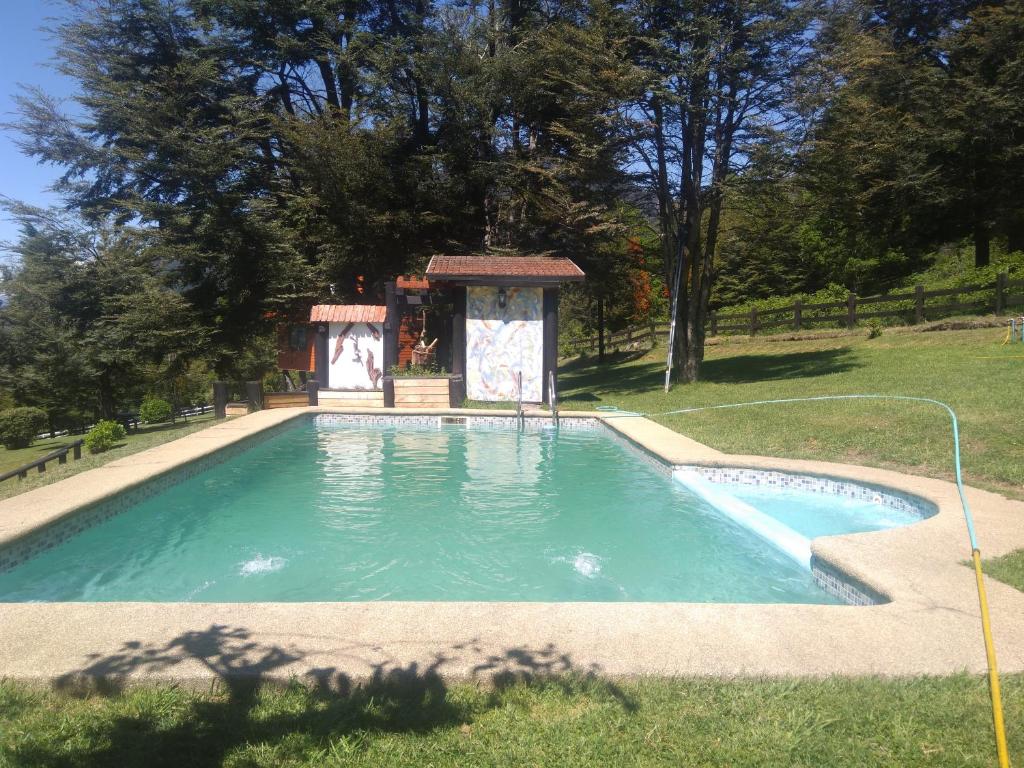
column 585, row 383
column 750, row 369
column 319, row 713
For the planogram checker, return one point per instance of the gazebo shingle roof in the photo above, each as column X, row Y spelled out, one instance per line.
column 552, row 269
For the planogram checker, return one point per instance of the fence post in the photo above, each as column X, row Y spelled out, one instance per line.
column 77, row 451
column 220, row 399
column 654, row 336
column 313, row 389
column 753, row 321
column 254, row 394
column 798, row 315
column 851, row 310
column 1001, row 279
column 714, row 323
column 918, row 304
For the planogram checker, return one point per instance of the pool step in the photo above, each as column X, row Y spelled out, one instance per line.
column 779, row 535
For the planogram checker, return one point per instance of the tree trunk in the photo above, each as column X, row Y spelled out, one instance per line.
column 1015, row 236
column 600, row 330
column 106, row 392
column 982, row 245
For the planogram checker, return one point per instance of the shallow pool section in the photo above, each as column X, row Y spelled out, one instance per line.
column 816, row 514
column 350, row 512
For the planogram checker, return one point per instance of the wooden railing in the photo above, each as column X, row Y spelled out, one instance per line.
column 61, row 455
column 913, row 308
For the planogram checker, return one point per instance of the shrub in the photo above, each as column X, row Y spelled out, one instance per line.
column 154, row 410
column 103, row 436
column 409, row 370
column 19, row 426
column 875, row 328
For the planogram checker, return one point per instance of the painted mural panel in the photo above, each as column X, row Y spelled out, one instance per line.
column 355, row 356
column 501, row 341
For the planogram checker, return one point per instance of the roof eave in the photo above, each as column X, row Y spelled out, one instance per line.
column 508, row 280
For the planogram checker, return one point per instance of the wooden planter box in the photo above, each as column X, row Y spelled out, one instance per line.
column 237, row 408
column 426, row 392
column 285, row 399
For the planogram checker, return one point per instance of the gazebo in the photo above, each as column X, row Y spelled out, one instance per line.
column 504, row 321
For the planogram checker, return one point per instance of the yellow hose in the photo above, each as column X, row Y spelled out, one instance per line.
column 993, row 674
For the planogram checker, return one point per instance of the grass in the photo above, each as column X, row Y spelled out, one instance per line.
column 410, row 719
column 1008, row 568
column 147, row 436
column 971, row 370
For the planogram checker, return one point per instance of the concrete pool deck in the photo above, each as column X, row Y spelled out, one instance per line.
column 931, row 625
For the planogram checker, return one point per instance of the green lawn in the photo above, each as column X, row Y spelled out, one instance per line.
column 146, row 437
column 410, row 719
column 1008, row 568
column 971, row 370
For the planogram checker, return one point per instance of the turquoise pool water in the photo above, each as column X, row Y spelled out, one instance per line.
column 816, row 514
column 353, row 513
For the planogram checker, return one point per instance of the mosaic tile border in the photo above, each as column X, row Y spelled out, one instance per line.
column 841, row 585
column 530, row 423
column 887, row 497
column 641, row 452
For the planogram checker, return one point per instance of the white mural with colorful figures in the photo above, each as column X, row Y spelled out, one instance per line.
column 356, row 356
column 502, row 341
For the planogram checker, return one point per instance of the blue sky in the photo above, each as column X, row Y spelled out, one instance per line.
column 25, row 51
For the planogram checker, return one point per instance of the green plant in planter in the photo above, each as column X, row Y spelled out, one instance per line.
column 155, row 410
column 410, row 371
column 19, row 426
column 104, row 436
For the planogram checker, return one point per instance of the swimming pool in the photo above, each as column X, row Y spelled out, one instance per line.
column 335, row 509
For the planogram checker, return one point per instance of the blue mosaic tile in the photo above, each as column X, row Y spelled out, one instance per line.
column 887, row 497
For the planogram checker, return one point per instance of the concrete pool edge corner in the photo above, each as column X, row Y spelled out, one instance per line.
column 930, row 625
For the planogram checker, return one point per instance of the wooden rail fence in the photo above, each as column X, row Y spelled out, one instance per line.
column 911, row 307
column 61, row 455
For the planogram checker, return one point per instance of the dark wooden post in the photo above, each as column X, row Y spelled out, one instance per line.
column 77, row 452
column 254, row 394
column 918, row 304
column 392, row 327
column 550, row 354
column 220, row 399
column 600, row 330
column 63, row 458
column 798, row 315
column 313, row 390
column 322, row 356
column 459, row 331
column 714, row 323
column 851, row 310
column 1001, row 280
column 753, row 321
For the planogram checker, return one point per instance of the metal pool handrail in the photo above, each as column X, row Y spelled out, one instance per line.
column 520, row 418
